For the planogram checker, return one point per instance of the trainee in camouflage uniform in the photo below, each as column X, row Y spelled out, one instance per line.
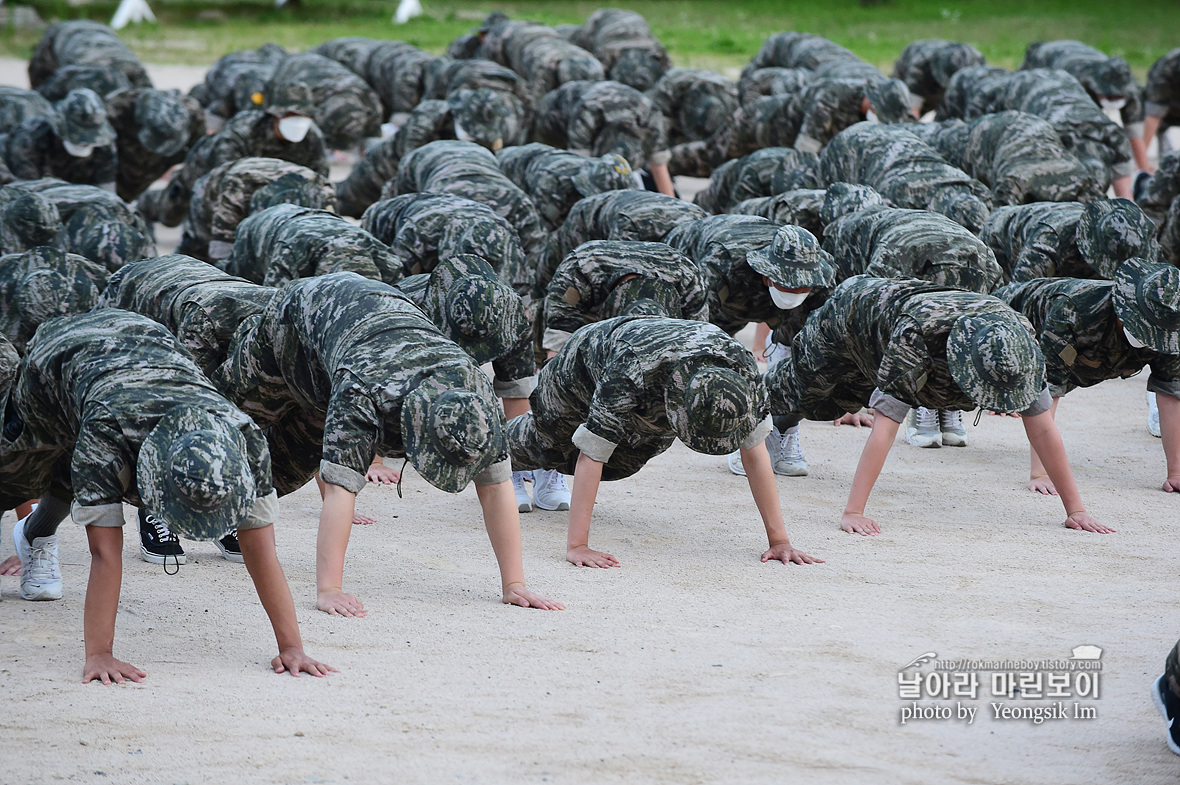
column 28, row 220
column 624, row 44
column 799, row 207
column 463, row 297
column 1019, row 156
column 547, row 61
column 397, row 71
column 503, row 100
column 1161, row 96
column 237, row 81
column 1158, row 199
column 556, row 179
column 422, row 229
column 596, row 118
column 771, row 81
column 345, row 108
column 199, row 304
column 95, row 223
column 287, row 241
column 254, row 133
column 468, row 170
column 42, row 283
column 81, row 42
column 100, row 79
column 154, row 130
column 972, row 92
column 1089, row 134
column 892, row 243
column 616, row 215
column 224, row 198
column 74, row 143
column 17, row 105
column 1068, row 240
column 695, row 102
column 797, row 50
column 927, row 66
column 602, row 279
column 759, row 174
column 905, row 171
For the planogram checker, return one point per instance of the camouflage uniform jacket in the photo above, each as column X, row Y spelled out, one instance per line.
column 17, row 105
column 615, row 215
column 547, row 174
column 621, row 40
column 797, row 50
column 1099, row 74
column 799, row 207
column 1037, row 240
column 446, row 77
column 76, row 283
column 33, row 150
column 340, row 353
column 719, row 244
column 1082, row 338
column 927, row 66
column 578, row 291
column 972, row 92
column 1161, row 189
column 138, row 166
column 345, row 108
column 100, row 79
column 892, row 243
column 199, row 304
column 233, row 80
column 695, row 102
column 287, row 241
column 221, row 201
column 422, row 228
column 89, row 391
column 880, row 342
column 749, row 177
column 1162, row 93
column 80, row 42
column 548, row 61
column 595, row 118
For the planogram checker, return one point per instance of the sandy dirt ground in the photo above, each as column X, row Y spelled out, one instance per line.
column 692, row 663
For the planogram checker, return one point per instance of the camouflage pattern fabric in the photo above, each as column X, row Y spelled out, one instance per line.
column 327, row 369
column 423, row 228
column 1037, row 241
column 344, row 107
column 28, row 220
column 96, row 223
column 750, row 177
column 886, row 335
column 547, row 61
column 893, row 243
column 34, row 150
column 1102, row 76
column 719, row 244
column 1160, row 190
column 507, row 114
column 468, row 170
column 695, row 102
column 927, row 67
column 286, row 242
column 100, row 79
column 139, row 167
column 17, row 105
column 90, row 391
column 616, row 215
column 1082, row 338
column 556, row 179
column 1019, row 156
column 236, row 81
column 222, row 199
column 607, row 392
column 972, row 92
column 797, row 50
column 624, row 44
column 248, row 134
column 397, row 70
column 799, row 208
column 81, row 42
column 1161, row 95
column 37, row 285
column 771, row 81
column 579, row 292
column 199, row 304
column 596, row 118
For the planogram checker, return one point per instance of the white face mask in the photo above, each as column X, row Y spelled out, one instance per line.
column 871, row 116
column 461, row 133
column 294, row 128
column 787, row 300
column 1113, row 104
column 1135, row 342
column 78, row 150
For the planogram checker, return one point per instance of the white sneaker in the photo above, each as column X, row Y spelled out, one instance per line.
column 786, row 455
column 1153, row 416
column 40, row 575
column 734, row 459
column 550, row 491
column 951, row 425
column 524, row 502
column 922, row 428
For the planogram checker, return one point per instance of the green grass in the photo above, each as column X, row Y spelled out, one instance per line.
column 696, row 32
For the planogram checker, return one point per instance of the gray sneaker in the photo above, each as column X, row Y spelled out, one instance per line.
column 1153, row 416
column 550, row 491
column 950, row 423
column 786, row 454
column 524, row 502
column 40, row 574
column 922, row 428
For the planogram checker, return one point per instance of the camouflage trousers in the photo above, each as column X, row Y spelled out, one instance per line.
column 817, row 382
column 538, row 445
column 296, row 445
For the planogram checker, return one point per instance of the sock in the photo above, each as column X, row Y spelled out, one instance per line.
column 44, row 520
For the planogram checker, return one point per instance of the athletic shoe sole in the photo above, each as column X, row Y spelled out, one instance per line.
column 558, row 508
column 791, row 471
column 734, row 461
column 912, row 437
column 155, row 558
column 950, row 439
column 235, row 557
column 1157, row 697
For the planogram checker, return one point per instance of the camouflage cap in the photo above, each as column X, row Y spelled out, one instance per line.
column 638, row 67
column 34, row 219
column 81, row 118
column 451, row 435
column 44, row 294
column 891, row 100
column 844, row 198
column 579, row 69
column 476, row 310
column 711, row 409
column 961, row 206
column 484, row 114
column 794, row 259
column 1112, row 231
column 291, row 188
column 108, row 242
column 996, row 361
column 1113, row 78
column 192, row 472
column 622, row 140
column 1147, row 302
column 163, row 122
column 640, row 296
column 609, row 172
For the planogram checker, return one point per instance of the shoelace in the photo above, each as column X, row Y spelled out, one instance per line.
column 953, row 418
column 791, row 449
column 42, row 563
column 927, row 418
column 165, row 535
column 556, row 482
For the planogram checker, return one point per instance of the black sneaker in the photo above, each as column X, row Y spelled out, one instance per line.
column 1169, row 706
column 157, row 543
column 1139, row 190
column 230, row 549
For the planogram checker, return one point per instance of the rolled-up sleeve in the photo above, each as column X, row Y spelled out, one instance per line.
column 592, row 445
column 264, row 512
column 891, row 407
column 108, row 516
column 498, row 472
column 1042, row 404
column 759, row 434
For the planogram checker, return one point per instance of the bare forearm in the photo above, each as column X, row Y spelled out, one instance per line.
column 332, row 539
column 1151, row 127
column 102, row 590
column 502, row 521
column 1122, row 187
column 587, row 477
column 663, row 180
column 872, row 460
column 1170, row 431
column 514, row 407
column 763, row 488
column 258, row 551
column 1139, row 151
column 1044, row 437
